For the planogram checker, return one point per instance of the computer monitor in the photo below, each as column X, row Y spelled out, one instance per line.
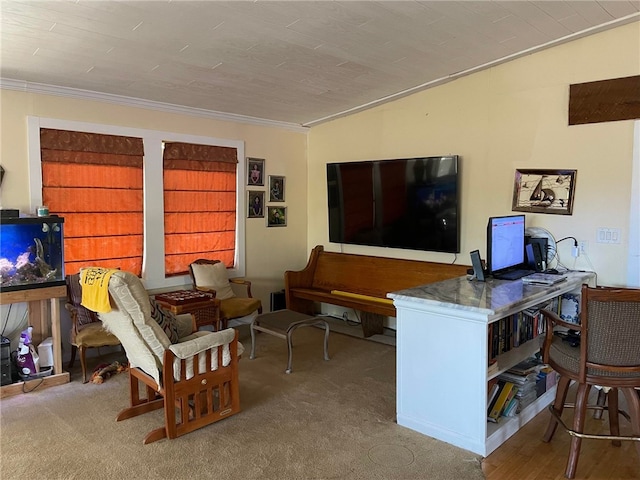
column 505, row 244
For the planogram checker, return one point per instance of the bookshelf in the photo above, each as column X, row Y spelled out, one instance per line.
column 442, row 354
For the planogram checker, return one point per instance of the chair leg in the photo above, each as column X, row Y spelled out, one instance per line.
column 578, row 426
column 74, row 349
column 633, row 402
column 614, row 416
column 602, row 398
column 83, row 362
column 558, row 406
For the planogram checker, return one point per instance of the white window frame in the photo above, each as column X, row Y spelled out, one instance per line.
column 153, row 253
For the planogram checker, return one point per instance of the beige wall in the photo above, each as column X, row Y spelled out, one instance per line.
column 507, row 117
column 269, row 251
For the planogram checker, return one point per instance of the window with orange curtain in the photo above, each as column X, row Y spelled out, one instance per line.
column 199, row 205
column 95, row 181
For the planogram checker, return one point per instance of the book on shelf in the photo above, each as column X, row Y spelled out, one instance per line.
column 493, row 392
column 501, row 400
column 526, row 367
column 493, row 367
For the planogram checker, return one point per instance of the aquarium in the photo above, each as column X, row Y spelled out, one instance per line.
column 31, row 252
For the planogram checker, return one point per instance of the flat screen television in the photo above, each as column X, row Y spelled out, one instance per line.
column 410, row 203
column 505, row 244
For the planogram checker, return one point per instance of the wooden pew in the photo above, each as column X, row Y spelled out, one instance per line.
column 360, row 282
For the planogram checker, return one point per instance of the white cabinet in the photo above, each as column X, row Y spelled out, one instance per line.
column 442, row 355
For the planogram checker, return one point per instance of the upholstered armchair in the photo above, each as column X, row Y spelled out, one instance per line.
column 86, row 328
column 194, row 378
column 211, row 276
column 608, row 356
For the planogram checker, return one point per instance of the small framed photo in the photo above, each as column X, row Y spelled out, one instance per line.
column 276, row 188
column 255, row 171
column 276, row 216
column 544, row 191
column 255, row 204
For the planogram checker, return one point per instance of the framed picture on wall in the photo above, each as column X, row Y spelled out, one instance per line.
column 255, row 171
column 544, row 191
column 276, row 188
column 276, row 216
column 255, row 204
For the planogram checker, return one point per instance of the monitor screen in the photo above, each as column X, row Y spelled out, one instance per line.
column 505, row 243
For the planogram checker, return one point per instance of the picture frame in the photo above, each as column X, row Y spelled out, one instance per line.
column 276, row 188
column 276, row 216
column 255, row 204
column 544, row 191
column 255, row 172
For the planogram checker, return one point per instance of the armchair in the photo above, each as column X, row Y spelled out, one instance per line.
column 608, row 356
column 195, row 379
column 86, row 328
column 211, row 276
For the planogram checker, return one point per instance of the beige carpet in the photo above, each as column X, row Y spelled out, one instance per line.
column 326, row 420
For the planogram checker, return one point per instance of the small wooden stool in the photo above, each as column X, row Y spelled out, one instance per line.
column 282, row 324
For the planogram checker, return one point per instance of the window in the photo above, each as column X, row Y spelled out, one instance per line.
column 152, row 193
column 199, row 205
column 95, row 182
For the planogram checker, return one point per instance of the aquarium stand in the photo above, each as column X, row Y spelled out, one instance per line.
column 44, row 316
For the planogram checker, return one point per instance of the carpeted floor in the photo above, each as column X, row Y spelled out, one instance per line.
column 326, row 420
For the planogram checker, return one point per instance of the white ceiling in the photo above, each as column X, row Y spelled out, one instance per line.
column 285, row 61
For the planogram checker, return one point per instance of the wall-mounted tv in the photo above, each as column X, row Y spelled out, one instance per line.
column 410, row 203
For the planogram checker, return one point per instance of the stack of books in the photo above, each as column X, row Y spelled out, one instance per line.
column 525, row 376
column 502, row 400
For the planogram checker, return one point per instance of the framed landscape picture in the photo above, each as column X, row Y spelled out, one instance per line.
column 276, row 216
column 255, row 171
column 544, row 191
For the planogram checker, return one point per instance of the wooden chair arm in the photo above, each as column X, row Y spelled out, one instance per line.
column 206, row 289
column 242, row 281
column 73, row 313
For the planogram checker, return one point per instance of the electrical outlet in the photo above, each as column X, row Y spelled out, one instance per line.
column 583, row 247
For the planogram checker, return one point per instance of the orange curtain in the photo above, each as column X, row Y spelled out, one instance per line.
column 94, row 181
column 199, row 205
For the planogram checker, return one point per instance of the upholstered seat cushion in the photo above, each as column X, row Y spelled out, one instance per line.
column 94, row 335
column 238, row 307
column 568, row 357
column 213, row 276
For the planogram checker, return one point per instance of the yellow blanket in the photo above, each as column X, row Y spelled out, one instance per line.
column 95, row 288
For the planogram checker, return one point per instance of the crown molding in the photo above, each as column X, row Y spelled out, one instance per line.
column 44, row 89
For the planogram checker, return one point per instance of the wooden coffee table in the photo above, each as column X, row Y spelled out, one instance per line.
column 203, row 307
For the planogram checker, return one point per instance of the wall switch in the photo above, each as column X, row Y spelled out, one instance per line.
column 608, row 235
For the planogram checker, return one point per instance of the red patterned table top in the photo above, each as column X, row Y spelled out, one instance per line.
column 184, row 297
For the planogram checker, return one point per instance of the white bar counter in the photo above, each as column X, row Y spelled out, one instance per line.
column 442, row 355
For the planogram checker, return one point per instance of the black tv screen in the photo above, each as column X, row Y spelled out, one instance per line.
column 410, row 203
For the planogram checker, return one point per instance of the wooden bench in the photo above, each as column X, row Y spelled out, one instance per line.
column 360, row 282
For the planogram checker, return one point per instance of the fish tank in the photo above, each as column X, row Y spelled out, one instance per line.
column 31, row 253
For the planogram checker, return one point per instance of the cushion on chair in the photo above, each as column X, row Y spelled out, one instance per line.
column 238, row 307
column 165, row 319
column 74, row 296
column 565, row 355
column 94, row 335
column 213, row 276
column 132, row 299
